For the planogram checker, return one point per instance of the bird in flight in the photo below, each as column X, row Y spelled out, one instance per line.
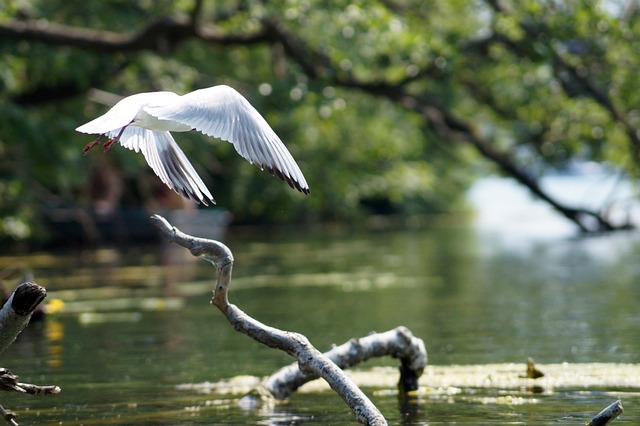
column 143, row 123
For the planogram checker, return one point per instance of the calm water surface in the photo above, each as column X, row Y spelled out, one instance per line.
column 137, row 323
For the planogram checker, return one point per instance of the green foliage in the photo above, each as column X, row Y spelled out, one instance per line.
column 503, row 71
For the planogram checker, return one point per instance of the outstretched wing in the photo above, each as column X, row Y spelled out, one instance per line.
column 167, row 160
column 124, row 112
column 117, row 117
column 222, row 112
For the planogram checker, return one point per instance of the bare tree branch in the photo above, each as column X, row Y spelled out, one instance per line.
column 9, row 382
column 310, row 360
column 161, row 35
column 398, row 343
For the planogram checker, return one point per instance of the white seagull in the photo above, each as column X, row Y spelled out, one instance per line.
column 142, row 122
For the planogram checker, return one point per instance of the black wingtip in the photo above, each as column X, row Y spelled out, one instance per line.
column 206, row 202
column 192, row 196
column 292, row 183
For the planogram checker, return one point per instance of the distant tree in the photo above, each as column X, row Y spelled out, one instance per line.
column 385, row 104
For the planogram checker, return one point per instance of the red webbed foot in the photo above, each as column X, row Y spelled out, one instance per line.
column 90, row 145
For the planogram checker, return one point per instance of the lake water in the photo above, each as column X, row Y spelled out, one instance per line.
column 137, row 325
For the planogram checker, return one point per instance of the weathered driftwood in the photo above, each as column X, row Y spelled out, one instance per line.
column 14, row 317
column 398, row 343
column 310, row 360
column 608, row 414
column 16, row 312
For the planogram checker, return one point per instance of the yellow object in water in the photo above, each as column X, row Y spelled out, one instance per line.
column 54, row 306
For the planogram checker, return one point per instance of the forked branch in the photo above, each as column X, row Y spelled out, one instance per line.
column 399, row 343
column 310, row 360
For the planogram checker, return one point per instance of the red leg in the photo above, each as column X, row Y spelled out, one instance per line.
column 107, row 144
column 90, row 145
column 110, row 142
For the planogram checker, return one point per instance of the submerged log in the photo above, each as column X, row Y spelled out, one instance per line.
column 309, row 359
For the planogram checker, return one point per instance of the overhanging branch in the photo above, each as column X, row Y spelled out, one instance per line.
column 445, row 123
column 165, row 33
column 159, row 35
